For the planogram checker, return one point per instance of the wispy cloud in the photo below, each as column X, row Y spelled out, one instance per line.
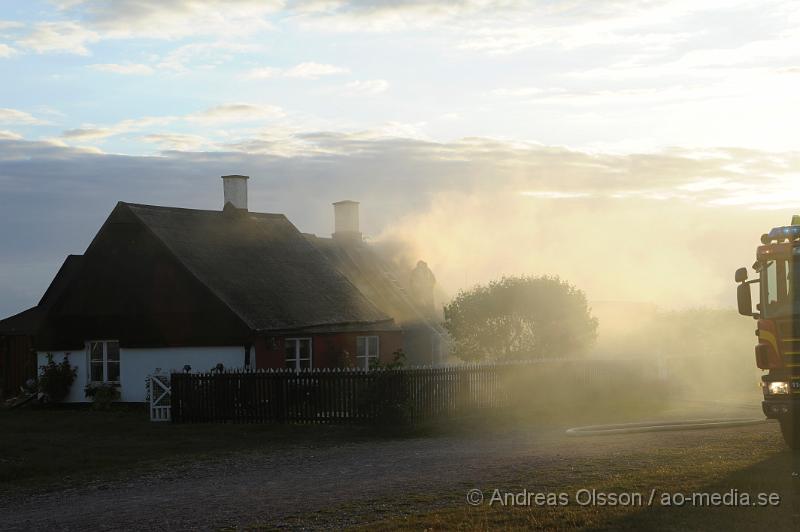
column 180, row 142
column 172, row 19
column 9, row 135
column 127, row 69
column 369, row 87
column 380, row 16
column 6, row 50
column 91, row 132
column 313, row 70
column 236, row 112
column 88, row 133
column 10, row 24
column 59, row 37
column 611, row 97
column 308, row 70
column 204, row 55
column 15, row 116
column 239, row 113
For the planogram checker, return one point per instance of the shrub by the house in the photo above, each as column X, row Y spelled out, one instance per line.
column 102, row 394
column 55, row 380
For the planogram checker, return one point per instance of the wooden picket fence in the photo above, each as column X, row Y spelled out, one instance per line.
column 357, row 396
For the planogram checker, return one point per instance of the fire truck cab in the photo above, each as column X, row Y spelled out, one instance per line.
column 778, row 317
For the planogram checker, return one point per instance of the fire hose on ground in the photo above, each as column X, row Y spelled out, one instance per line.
column 676, row 424
column 660, row 426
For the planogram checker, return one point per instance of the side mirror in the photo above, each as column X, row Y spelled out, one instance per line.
column 741, row 275
column 744, row 300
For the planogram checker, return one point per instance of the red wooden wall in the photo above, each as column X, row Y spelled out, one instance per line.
column 17, row 364
column 328, row 350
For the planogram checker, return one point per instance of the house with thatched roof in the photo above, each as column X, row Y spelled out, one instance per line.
column 173, row 289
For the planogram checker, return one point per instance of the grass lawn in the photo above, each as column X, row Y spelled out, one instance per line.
column 51, row 446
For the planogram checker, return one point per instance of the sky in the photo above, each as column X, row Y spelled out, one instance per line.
column 637, row 148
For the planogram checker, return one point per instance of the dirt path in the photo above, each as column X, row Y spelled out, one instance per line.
column 338, row 486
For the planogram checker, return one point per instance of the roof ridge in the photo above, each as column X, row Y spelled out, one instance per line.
column 188, row 209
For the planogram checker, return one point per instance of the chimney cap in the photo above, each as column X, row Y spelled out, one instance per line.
column 235, row 176
column 345, row 202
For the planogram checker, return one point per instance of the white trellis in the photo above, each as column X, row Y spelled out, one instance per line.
column 160, row 395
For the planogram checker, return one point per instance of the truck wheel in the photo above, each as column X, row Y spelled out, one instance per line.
column 791, row 433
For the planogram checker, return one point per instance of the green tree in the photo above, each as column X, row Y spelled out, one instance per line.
column 520, row 318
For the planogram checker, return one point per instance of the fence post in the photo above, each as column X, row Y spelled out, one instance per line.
column 175, row 400
column 280, row 396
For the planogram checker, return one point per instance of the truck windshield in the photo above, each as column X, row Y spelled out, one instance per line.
column 780, row 295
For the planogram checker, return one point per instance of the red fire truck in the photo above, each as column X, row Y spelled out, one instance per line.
column 778, row 315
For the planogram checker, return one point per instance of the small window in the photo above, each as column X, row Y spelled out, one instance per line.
column 367, row 350
column 103, row 361
column 298, row 353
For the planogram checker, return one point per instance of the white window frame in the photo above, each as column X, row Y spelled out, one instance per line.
column 105, row 361
column 363, row 360
column 297, row 358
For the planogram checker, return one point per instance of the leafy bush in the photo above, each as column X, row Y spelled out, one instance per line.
column 398, row 361
column 344, row 359
column 102, row 395
column 518, row 318
column 55, row 380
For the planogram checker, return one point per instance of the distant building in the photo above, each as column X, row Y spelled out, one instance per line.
column 164, row 288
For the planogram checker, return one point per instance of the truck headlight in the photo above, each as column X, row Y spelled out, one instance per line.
column 777, row 388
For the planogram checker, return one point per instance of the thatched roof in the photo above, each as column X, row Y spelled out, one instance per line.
column 377, row 278
column 260, row 266
column 26, row 323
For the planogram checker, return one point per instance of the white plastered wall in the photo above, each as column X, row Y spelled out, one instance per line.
column 136, row 364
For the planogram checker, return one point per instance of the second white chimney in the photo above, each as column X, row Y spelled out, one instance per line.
column 345, row 221
column 234, row 189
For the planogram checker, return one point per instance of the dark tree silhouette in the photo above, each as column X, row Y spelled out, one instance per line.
column 520, row 318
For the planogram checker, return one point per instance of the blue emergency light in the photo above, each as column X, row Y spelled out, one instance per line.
column 788, row 232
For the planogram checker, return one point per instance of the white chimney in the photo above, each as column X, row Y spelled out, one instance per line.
column 234, row 188
column 345, row 214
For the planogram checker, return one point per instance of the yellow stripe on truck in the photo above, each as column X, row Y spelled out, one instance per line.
column 769, row 338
